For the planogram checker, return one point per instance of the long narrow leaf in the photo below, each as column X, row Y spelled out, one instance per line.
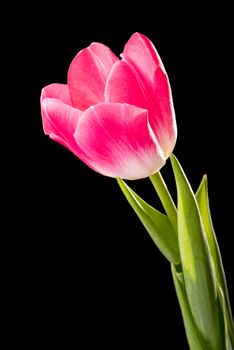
column 196, row 263
column 228, row 340
column 156, row 223
column 193, row 334
column 203, row 203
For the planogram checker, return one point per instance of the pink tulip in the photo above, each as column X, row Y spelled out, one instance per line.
column 115, row 115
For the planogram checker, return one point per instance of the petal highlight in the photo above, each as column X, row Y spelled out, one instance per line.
column 118, row 141
column 88, row 73
column 59, row 122
column 58, row 91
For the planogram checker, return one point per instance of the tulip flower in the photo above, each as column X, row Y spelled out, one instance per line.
column 115, row 115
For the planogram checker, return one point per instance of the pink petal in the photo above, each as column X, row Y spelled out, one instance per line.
column 59, row 122
column 143, row 59
column 58, row 91
column 141, row 53
column 88, row 73
column 164, row 125
column 118, row 140
column 122, row 86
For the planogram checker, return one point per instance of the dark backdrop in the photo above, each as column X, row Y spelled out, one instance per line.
column 88, row 271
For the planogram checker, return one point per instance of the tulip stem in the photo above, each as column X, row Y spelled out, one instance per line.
column 165, row 197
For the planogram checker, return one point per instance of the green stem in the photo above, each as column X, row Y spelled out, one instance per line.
column 165, row 197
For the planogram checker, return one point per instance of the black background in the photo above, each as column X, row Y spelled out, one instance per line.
column 87, row 272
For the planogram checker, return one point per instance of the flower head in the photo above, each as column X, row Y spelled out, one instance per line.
column 115, row 115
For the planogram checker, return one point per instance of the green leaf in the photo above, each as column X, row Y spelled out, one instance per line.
column 203, row 203
column 192, row 332
column 228, row 340
column 156, row 223
column 196, row 263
